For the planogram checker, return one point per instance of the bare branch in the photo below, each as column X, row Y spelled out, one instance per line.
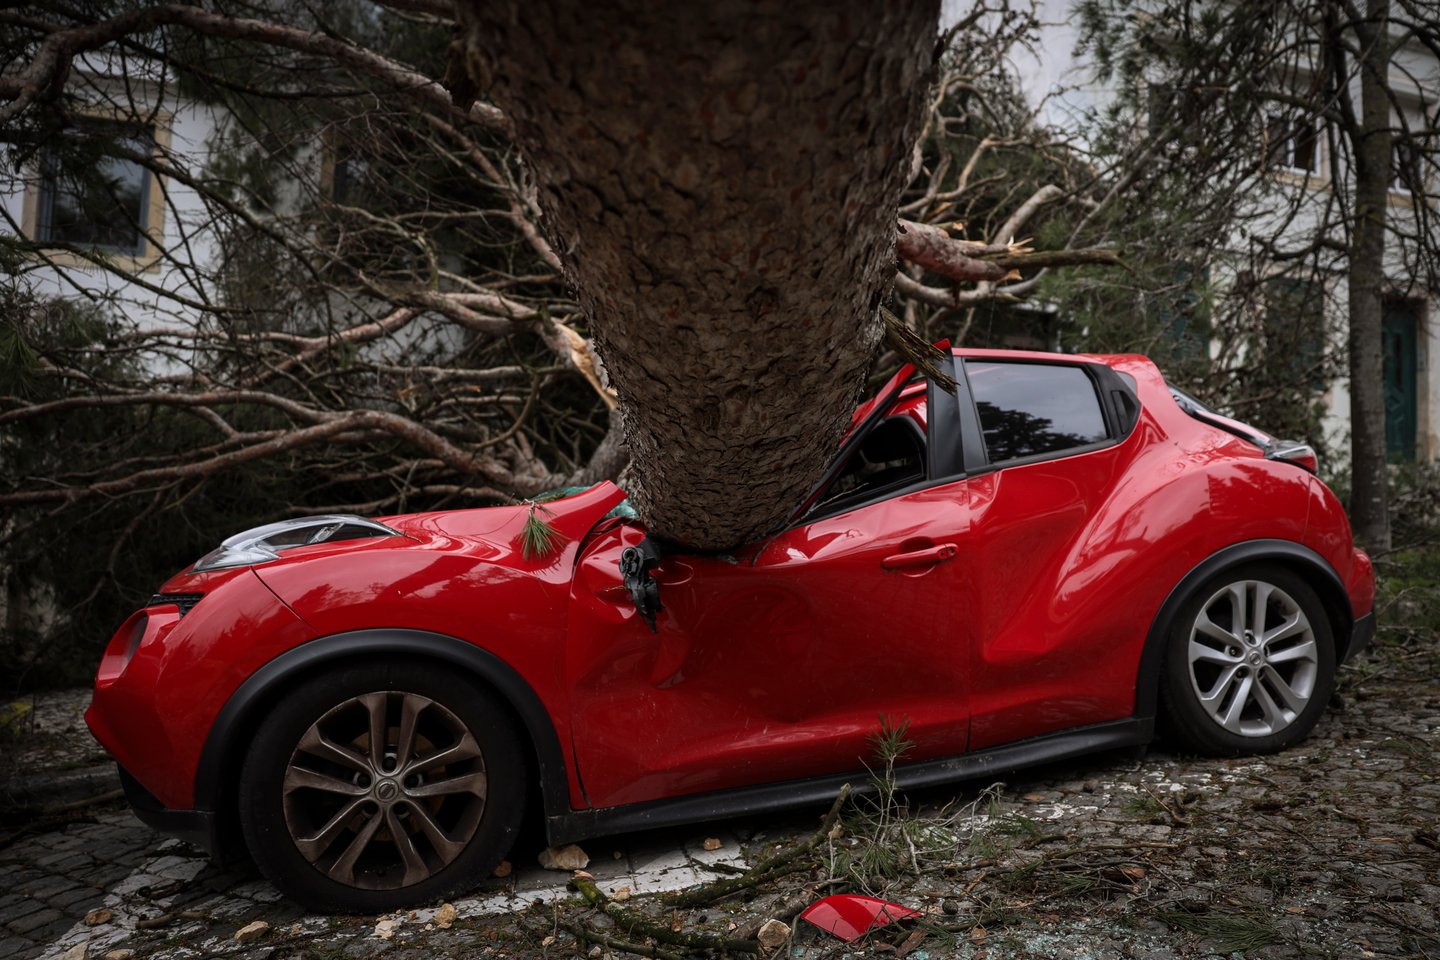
column 934, row 249
column 48, row 68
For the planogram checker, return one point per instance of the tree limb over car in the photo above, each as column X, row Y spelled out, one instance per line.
column 745, row 228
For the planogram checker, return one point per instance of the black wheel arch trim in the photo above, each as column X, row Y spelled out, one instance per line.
column 247, row 703
column 1330, row 589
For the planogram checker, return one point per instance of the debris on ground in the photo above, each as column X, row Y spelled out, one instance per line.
column 850, row 916
column 252, row 931
column 567, row 858
column 772, row 935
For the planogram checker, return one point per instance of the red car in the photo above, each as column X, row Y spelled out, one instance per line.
column 1044, row 562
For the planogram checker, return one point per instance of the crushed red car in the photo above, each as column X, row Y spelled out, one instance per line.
column 1054, row 558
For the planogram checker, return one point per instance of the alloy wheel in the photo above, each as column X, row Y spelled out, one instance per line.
column 1252, row 657
column 384, row 790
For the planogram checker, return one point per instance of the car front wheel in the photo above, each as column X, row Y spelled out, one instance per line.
column 379, row 786
column 1250, row 664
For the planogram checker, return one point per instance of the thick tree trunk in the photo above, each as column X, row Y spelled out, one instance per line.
column 721, row 181
column 1368, row 508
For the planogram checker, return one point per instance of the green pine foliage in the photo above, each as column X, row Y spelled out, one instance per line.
column 538, row 539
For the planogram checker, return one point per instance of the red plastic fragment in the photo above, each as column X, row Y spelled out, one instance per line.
column 850, row 916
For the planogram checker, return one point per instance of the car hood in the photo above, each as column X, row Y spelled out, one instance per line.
column 498, row 528
column 484, row 534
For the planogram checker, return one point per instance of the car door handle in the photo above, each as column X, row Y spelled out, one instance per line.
column 921, row 558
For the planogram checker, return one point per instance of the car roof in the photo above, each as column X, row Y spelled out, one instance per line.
column 976, row 353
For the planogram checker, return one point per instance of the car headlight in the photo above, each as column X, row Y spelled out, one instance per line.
column 263, row 544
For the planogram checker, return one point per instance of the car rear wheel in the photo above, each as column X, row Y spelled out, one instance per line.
column 379, row 786
column 1250, row 664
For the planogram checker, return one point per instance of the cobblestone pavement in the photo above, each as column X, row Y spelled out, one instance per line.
column 1328, row 849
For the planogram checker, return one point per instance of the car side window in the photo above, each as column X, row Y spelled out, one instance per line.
column 1032, row 409
column 890, row 457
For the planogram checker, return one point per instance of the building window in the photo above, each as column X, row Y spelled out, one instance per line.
column 1404, row 165
column 95, row 195
column 1181, row 311
column 1292, row 143
column 1295, row 331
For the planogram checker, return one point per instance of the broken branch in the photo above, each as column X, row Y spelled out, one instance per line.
column 632, row 922
column 767, row 869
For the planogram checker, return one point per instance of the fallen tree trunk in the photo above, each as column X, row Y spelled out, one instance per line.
column 722, row 189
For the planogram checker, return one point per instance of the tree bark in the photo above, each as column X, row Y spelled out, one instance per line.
column 1368, row 508
column 722, row 184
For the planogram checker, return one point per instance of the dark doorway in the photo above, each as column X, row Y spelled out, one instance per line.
column 1399, row 343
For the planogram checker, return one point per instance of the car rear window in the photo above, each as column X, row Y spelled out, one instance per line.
column 1030, row 409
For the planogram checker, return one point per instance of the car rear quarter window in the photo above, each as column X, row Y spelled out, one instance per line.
column 1034, row 409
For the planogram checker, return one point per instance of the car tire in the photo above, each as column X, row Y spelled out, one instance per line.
column 1250, row 663
column 340, row 827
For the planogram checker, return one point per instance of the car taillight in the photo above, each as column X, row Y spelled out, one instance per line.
column 1292, row 451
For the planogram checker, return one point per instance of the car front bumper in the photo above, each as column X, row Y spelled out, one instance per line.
column 200, row 827
column 1360, row 635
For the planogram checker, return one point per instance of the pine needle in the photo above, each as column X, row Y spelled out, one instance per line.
column 537, row 538
column 1231, row 932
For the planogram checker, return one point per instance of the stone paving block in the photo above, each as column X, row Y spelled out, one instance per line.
column 64, row 860
column 259, row 891
column 52, row 931
column 22, row 879
column 34, row 920
column 23, row 907
column 65, row 842
column 81, row 894
column 727, row 852
column 655, row 862
column 16, row 947
column 607, row 867
column 105, row 876
column 56, row 886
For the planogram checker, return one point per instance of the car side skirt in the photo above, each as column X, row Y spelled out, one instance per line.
column 767, row 798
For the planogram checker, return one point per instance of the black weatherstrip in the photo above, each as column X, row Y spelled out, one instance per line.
column 972, row 437
column 943, row 446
